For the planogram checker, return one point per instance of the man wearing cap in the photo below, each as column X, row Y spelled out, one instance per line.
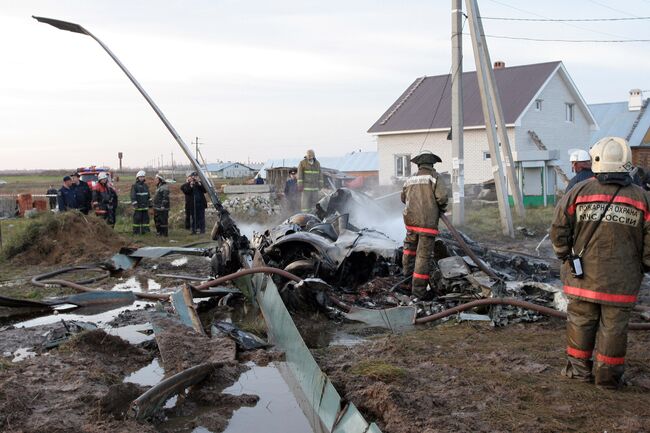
column 161, row 206
column 601, row 232
column 425, row 197
column 310, row 181
column 65, row 196
column 104, row 199
column 141, row 201
column 291, row 191
column 581, row 165
column 82, row 193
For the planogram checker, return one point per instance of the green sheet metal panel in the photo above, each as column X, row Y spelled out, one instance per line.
column 352, row 421
column 395, row 319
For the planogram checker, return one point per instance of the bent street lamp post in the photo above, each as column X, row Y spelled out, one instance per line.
column 226, row 224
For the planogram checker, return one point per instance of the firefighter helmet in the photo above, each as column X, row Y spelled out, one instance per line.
column 611, row 155
column 102, row 175
column 579, row 155
column 141, row 173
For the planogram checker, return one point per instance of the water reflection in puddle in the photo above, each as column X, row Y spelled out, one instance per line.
column 179, row 262
column 22, row 354
column 99, row 319
column 277, row 411
column 149, row 375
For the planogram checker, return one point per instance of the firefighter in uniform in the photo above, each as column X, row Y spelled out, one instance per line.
column 425, row 197
column 310, row 181
column 104, row 199
column 601, row 230
column 141, row 201
column 161, row 206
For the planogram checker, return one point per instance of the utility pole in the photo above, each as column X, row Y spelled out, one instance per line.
column 457, row 152
column 511, row 175
column 489, row 117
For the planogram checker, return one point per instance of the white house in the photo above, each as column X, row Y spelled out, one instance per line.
column 545, row 116
column 229, row 170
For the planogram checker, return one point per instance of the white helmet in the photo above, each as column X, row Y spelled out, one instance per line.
column 611, row 155
column 103, row 175
column 141, row 173
column 579, row 155
column 160, row 176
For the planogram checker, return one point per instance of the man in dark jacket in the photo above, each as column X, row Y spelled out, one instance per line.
column 51, row 195
column 601, row 231
column 161, row 206
column 195, row 202
column 82, row 193
column 291, row 193
column 581, row 165
column 105, row 199
column 425, row 197
column 141, row 201
column 65, row 196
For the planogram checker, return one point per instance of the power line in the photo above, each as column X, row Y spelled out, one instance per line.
column 452, row 74
column 562, row 20
column 608, row 41
column 612, row 9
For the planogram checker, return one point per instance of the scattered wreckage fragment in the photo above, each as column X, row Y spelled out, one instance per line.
column 329, row 249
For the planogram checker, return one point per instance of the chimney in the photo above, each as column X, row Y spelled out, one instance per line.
column 636, row 100
column 499, row 64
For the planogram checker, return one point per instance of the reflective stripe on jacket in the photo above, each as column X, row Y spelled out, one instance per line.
column 309, row 175
column 619, row 250
column 425, row 196
column 161, row 198
column 140, row 196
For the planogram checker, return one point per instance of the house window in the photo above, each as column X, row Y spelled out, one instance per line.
column 402, row 165
column 486, row 155
column 538, row 105
column 569, row 112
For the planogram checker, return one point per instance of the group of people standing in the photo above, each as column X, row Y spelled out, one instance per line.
column 77, row 194
column 103, row 200
column 195, row 204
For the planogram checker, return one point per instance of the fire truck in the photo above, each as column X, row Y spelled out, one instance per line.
column 90, row 174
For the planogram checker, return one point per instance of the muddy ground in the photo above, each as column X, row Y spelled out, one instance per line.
column 472, row 377
column 467, row 377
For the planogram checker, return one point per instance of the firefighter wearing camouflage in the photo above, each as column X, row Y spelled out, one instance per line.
column 615, row 253
column 141, row 201
column 161, row 206
column 425, row 197
column 310, row 181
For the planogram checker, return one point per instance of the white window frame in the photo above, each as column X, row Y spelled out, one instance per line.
column 538, row 104
column 569, row 112
column 403, row 164
column 486, row 155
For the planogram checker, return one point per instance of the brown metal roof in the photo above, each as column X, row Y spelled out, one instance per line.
column 415, row 108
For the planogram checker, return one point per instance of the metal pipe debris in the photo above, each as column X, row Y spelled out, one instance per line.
column 145, row 406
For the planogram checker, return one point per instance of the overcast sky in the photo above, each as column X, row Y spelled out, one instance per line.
column 263, row 79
